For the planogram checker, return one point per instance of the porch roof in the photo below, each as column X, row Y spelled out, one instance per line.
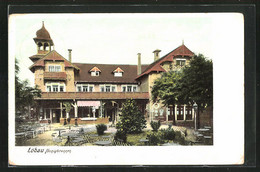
column 93, row 95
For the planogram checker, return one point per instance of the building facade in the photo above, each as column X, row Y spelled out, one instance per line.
column 97, row 91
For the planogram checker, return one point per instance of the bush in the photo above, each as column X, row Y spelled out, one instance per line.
column 120, row 136
column 132, row 120
column 168, row 134
column 155, row 139
column 101, row 128
column 155, row 125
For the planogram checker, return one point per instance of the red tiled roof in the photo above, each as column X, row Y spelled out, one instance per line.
column 55, row 75
column 118, row 70
column 94, row 95
column 36, row 56
column 95, row 69
column 156, row 66
column 107, row 76
column 52, row 56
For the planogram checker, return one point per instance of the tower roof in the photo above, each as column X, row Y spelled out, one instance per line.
column 43, row 34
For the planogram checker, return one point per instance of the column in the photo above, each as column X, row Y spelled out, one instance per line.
column 175, row 112
column 44, row 111
column 184, row 113
column 76, row 110
column 61, row 110
column 101, row 109
column 51, row 115
column 192, row 113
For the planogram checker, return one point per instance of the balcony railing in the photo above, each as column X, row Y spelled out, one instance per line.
column 94, row 95
column 55, row 75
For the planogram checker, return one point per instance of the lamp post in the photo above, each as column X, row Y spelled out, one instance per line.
column 195, row 107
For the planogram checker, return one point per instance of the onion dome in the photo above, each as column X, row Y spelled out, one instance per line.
column 43, row 35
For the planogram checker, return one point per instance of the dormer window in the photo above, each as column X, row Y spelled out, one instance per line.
column 95, row 71
column 118, row 72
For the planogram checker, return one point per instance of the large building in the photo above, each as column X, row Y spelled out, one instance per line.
column 97, row 91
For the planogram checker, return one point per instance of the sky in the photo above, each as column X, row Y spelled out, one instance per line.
column 117, row 38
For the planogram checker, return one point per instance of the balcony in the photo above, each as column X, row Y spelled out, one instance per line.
column 55, row 75
column 93, row 95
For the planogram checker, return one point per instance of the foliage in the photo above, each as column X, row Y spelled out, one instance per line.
column 155, row 125
column 155, row 139
column 24, row 94
column 197, row 82
column 168, row 134
column 120, row 136
column 131, row 120
column 166, row 88
column 194, row 83
column 68, row 106
column 101, row 128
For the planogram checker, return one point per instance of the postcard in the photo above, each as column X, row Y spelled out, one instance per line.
column 126, row 89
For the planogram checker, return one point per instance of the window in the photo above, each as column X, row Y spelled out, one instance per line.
column 79, row 88
column 134, row 88
column 102, row 88
column 85, row 88
column 180, row 62
column 118, row 74
column 107, row 88
column 48, row 88
column 61, row 88
column 124, row 89
column 129, row 88
column 56, row 68
column 91, row 88
column 113, row 88
column 95, row 73
column 55, row 88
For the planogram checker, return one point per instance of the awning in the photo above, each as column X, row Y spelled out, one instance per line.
column 88, row 103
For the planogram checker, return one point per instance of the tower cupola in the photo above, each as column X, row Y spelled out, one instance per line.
column 43, row 41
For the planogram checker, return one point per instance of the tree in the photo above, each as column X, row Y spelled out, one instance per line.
column 167, row 89
column 132, row 120
column 24, row 94
column 194, row 83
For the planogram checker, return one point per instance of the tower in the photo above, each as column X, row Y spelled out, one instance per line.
column 44, row 43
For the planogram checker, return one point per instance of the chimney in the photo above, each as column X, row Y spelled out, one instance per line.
column 70, row 54
column 139, row 69
column 156, row 54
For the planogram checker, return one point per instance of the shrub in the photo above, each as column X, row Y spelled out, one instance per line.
column 155, row 125
column 155, row 139
column 101, row 128
column 120, row 136
column 132, row 120
column 168, row 134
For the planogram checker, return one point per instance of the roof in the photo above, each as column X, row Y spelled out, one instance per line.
column 117, row 70
column 95, row 69
column 107, row 76
column 156, row 65
column 55, row 75
column 93, row 95
column 43, row 34
column 52, row 56
column 36, row 56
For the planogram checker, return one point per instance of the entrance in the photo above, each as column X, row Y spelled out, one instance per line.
column 56, row 116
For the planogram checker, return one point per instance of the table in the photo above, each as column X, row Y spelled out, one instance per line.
column 59, row 129
column 103, row 143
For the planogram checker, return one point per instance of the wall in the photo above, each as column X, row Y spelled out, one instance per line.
column 38, row 78
column 98, row 121
column 70, row 87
